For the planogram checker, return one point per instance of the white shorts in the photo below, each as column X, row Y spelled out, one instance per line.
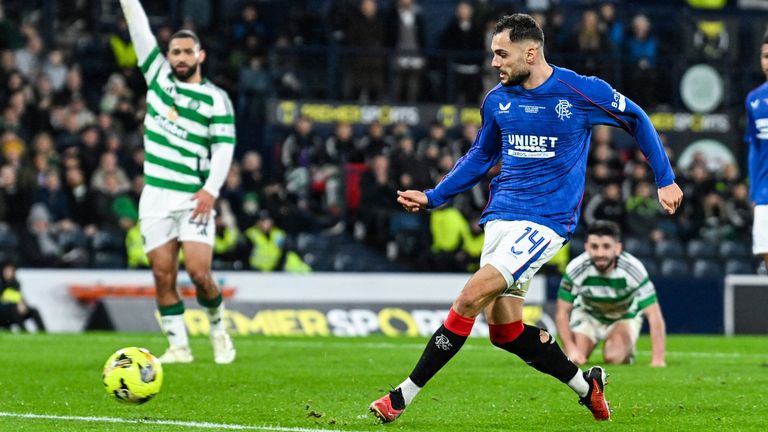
column 156, row 231
column 582, row 322
column 760, row 230
column 518, row 249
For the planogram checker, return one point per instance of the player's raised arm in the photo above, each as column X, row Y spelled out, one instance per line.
column 144, row 41
column 613, row 108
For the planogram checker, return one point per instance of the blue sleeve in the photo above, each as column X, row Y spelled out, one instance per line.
column 750, row 139
column 610, row 107
column 470, row 168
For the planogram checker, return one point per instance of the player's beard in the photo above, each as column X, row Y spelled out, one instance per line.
column 191, row 71
column 517, row 79
column 604, row 265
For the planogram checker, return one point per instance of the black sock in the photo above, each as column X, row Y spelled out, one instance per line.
column 441, row 348
column 538, row 349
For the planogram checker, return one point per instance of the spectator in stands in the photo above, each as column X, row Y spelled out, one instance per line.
column 434, row 145
column 607, row 205
column 448, row 228
column 53, row 196
column 591, row 43
column 640, row 69
column 341, row 146
column 13, row 308
column 108, row 165
column 460, row 146
column 364, row 68
column 249, row 24
column 41, row 245
column 411, row 170
column 613, row 26
column 376, row 141
column 123, row 53
column 738, row 210
column 297, row 152
column 642, row 213
column 464, row 34
column 377, row 205
column 29, row 58
column 406, row 33
column 270, row 250
column 14, row 200
column 227, row 247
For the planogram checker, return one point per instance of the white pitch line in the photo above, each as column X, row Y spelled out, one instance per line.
column 193, row 424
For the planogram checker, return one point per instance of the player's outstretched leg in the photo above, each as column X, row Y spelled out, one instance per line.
column 537, row 348
column 441, row 348
column 595, row 398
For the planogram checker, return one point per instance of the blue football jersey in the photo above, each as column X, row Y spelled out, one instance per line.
column 542, row 137
column 756, row 137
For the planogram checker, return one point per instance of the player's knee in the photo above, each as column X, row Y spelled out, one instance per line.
column 199, row 276
column 467, row 305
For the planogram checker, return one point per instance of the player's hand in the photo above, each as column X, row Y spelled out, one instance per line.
column 204, row 206
column 671, row 197
column 658, row 363
column 412, row 200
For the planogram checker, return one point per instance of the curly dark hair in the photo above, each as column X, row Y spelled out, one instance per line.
column 605, row 228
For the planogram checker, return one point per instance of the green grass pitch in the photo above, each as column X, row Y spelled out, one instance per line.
column 53, row 383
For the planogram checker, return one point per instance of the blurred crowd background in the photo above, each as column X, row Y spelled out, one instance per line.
column 321, row 197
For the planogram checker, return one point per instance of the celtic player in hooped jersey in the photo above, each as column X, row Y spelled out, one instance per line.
column 189, row 138
column 604, row 295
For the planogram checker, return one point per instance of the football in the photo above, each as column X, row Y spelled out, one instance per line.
column 132, row 375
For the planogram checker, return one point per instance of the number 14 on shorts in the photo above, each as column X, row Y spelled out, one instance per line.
column 520, row 244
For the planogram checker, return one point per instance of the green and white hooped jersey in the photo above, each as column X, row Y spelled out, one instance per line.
column 183, row 125
column 621, row 294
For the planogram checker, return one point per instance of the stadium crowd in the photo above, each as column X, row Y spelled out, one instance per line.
column 71, row 151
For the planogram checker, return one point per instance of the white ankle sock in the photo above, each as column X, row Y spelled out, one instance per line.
column 175, row 330
column 216, row 319
column 579, row 384
column 410, row 390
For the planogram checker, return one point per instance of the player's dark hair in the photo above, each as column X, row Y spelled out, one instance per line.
column 186, row 34
column 521, row 27
column 765, row 37
column 605, row 228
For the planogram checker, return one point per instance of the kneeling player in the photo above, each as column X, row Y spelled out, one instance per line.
column 604, row 295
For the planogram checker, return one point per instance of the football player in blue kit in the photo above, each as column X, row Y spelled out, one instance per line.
column 538, row 122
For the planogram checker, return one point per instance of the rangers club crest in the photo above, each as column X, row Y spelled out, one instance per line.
column 563, row 109
column 443, row 343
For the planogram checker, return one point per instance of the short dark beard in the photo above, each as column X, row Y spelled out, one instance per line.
column 191, row 70
column 517, row 79
column 608, row 267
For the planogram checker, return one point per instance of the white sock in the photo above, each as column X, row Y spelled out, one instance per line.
column 216, row 319
column 409, row 389
column 175, row 330
column 579, row 384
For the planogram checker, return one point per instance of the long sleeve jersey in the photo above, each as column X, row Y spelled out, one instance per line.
column 756, row 137
column 189, row 128
column 542, row 138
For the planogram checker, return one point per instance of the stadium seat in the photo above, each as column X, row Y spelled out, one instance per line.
column 669, row 249
column 638, row 247
column 735, row 250
column 701, row 249
column 707, row 268
column 674, row 267
column 739, row 266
